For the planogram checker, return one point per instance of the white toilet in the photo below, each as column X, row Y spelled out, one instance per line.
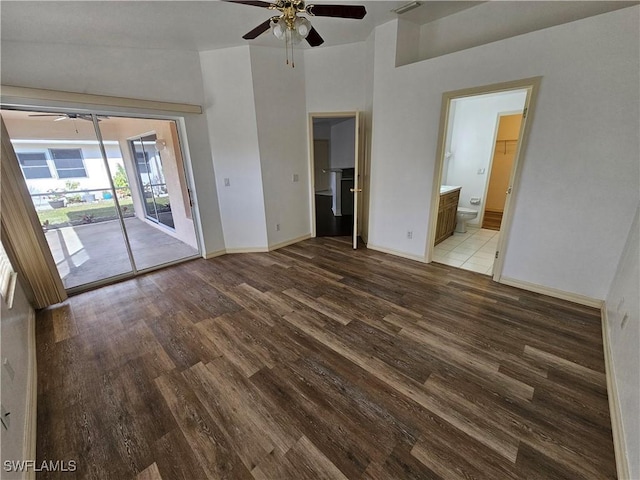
column 462, row 217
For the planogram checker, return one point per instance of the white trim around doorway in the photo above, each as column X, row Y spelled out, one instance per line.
column 531, row 85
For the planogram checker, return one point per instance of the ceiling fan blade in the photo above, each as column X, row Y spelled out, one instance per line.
column 253, row 3
column 314, row 39
column 61, row 118
column 341, row 11
column 259, row 30
column 46, row 114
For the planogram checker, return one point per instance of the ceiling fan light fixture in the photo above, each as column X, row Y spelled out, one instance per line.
column 302, row 26
column 278, row 28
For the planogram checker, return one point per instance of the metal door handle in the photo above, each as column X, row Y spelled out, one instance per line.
column 355, row 190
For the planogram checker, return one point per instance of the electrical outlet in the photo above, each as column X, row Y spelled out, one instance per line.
column 410, row 235
column 296, row 177
column 277, row 227
column 227, row 182
column 623, row 323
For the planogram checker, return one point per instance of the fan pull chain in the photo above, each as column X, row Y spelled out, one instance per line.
column 286, row 44
column 288, row 41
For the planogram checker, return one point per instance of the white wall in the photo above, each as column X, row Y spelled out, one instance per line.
column 233, row 135
column 582, row 154
column 15, row 348
column 163, row 75
column 472, row 143
column 623, row 299
column 348, row 88
column 492, row 21
column 281, row 117
column 334, row 78
column 343, row 144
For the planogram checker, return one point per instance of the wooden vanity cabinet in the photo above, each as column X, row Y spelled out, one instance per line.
column 447, row 210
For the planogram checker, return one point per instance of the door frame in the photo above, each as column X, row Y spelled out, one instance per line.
column 312, row 203
column 532, row 86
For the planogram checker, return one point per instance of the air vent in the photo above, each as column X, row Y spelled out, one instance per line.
column 407, row 7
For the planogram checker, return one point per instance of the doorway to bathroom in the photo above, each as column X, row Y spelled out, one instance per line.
column 482, row 133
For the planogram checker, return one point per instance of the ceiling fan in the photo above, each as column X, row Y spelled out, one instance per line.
column 69, row 116
column 291, row 26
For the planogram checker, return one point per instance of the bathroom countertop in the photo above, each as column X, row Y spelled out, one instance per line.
column 444, row 189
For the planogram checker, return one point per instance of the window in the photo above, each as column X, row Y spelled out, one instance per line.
column 34, row 165
column 68, row 162
column 142, row 159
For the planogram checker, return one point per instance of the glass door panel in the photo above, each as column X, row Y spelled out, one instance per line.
column 152, row 180
column 159, row 227
column 70, row 188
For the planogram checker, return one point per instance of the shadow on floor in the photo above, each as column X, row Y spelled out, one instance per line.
column 93, row 252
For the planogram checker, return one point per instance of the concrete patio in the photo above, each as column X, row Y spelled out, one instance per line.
column 96, row 251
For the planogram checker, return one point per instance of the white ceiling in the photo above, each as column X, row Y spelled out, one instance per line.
column 204, row 25
column 180, row 25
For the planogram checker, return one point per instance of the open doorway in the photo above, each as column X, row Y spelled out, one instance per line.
column 335, row 166
column 501, row 165
column 482, row 133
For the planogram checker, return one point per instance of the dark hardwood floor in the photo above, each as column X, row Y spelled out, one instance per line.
column 327, row 224
column 318, row 362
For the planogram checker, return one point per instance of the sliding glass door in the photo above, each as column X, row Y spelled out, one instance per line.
column 110, row 192
column 148, row 162
column 160, row 228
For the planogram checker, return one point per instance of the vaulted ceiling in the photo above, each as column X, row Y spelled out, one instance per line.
column 207, row 25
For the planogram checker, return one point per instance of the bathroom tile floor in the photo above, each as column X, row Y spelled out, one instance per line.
column 474, row 250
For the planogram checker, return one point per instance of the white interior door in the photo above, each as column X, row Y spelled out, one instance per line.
column 357, row 185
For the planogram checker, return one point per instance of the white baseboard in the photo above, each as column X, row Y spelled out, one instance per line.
column 289, row 242
column 31, row 408
column 397, row 253
column 275, row 246
column 248, row 250
column 617, row 428
column 553, row 292
column 215, row 254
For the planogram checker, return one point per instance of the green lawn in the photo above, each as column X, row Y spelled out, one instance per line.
column 78, row 213
column 74, row 213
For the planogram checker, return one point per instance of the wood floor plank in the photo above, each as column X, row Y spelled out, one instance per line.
column 206, row 443
column 400, row 464
column 150, row 473
column 303, row 461
column 500, row 442
column 318, row 361
column 236, row 349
